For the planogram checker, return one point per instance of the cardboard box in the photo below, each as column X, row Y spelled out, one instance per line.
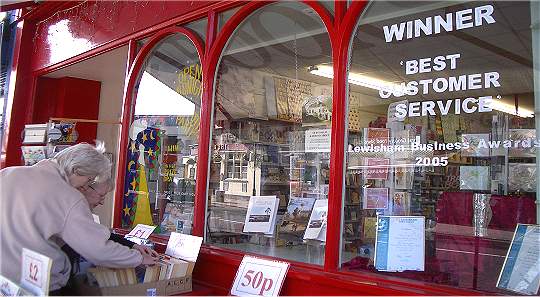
column 167, row 287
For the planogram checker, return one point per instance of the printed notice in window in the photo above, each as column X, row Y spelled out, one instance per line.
column 521, row 269
column 399, row 243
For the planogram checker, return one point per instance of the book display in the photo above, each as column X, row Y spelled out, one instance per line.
column 170, row 276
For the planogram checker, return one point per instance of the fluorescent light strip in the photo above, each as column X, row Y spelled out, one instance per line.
column 357, row 79
column 511, row 109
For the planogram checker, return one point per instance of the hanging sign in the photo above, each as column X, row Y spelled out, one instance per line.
column 259, row 277
column 35, row 272
column 141, row 231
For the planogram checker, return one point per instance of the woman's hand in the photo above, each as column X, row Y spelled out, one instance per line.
column 146, row 251
column 150, row 257
column 148, row 260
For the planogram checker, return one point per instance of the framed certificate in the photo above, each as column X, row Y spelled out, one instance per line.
column 521, row 269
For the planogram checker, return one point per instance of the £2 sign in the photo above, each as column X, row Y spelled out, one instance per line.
column 259, row 277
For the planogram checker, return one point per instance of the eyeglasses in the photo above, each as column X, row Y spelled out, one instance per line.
column 91, row 186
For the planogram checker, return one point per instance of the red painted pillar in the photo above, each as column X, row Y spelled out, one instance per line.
column 22, row 85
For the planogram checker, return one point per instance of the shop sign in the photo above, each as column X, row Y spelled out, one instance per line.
column 433, row 25
column 259, row 277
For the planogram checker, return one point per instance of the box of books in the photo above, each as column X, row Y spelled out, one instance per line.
column 170, row 276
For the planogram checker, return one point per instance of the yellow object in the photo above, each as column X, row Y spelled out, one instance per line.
column 143, row 215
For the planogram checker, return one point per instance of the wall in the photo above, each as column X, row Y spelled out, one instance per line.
column 109, row 68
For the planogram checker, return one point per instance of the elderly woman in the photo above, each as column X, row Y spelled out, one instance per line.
column 41, row 206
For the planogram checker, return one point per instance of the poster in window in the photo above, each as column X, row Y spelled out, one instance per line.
column 317, row 220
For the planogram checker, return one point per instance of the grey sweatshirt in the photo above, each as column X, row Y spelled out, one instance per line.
column 38, row 206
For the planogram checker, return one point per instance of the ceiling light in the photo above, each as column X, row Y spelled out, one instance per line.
column 356, row 79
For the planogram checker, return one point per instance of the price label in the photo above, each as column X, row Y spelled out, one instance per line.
column 259, row 277
column 184, row 246
column 141, row 231
column 35, row 272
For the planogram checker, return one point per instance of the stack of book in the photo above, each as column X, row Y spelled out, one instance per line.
column 166, row 268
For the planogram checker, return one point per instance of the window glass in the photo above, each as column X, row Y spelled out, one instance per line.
column 271, row 139
column 442, row 149
column 225, row 16
column 162, row 152
column 199, row 27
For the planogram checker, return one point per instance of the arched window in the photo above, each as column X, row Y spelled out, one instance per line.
column 269, row 166
column 162, row 150
column 442, row 149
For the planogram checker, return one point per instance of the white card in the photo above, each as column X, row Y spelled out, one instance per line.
column 259, row 277
column 35, row 272
column 183, row 246
column 96, row 218
column 141, row 231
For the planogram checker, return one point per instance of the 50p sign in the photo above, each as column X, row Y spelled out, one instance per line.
column 259, row 277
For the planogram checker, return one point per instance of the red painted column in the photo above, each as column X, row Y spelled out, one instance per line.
column 22, row 85
column 124, row 137
column 203, row 152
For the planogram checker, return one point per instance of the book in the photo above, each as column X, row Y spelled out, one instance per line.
column 261, row 214
column 177, row 217
column 376, row 136
column 403, row 175
column 375, row 198
column 317, row 220
column 35, row 133
column 33, row 154
column 369, row 227
column 401, row 203
column 376, row 168
column 297, row 215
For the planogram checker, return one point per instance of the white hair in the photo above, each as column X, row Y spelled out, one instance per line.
column 85, row 160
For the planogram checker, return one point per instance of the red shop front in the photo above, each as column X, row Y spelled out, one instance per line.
column 367, row 109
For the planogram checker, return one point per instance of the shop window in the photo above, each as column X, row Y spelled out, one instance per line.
column 442, row 152
column 271, row 137
column 162, row 152
column 225, row 16
column 198, row 27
